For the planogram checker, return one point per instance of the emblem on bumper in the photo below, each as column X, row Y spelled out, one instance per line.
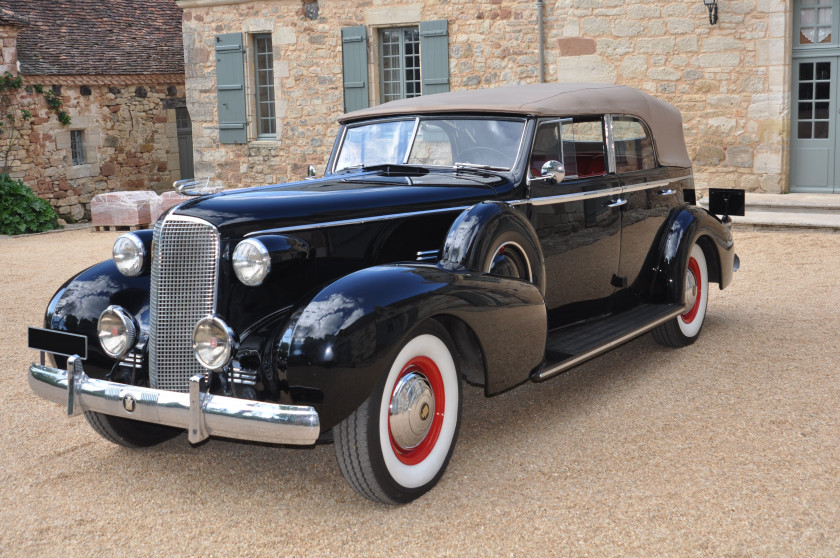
column 129, row 403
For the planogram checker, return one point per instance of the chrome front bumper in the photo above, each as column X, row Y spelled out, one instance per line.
column 201, row 414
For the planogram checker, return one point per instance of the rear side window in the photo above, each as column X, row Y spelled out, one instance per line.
column 633, row 145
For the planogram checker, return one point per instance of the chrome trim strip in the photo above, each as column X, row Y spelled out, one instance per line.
column 576, row 196
column 563, row 366
column 657, row 184
column 560, row 198
column 203, row 414
column 413, row 139
column 358, row 221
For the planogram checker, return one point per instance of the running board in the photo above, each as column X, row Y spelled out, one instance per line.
column 558, row 360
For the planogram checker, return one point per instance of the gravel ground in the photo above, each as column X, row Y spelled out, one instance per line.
column 727, row 447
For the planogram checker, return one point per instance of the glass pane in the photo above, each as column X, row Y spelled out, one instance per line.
column 804, row 130
column 820, row 130
column 824, row 17
column 821, row 111
column 805, row 111
column 806, row 36
column 823, row 70
column 806, row 91
column 824, row 90
column 809, row 2
column 806, row 71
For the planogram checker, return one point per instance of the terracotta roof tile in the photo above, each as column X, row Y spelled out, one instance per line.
column 95, row 37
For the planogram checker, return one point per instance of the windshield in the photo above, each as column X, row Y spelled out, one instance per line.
column 432, row 142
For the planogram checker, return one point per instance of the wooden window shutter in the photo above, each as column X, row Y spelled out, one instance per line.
column 434, row 56
column 230, row 88
column 354, row 59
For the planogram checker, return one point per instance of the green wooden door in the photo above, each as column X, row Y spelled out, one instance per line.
column 814, row 164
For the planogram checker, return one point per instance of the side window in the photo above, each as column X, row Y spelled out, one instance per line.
column 633, row 145
column 577, row 143
column 583, row 147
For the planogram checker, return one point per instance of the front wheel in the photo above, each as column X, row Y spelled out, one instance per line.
column 685, row 328
column 395, row 447
column 129, row 433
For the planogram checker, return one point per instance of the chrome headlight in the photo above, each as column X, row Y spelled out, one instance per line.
column 213, row 342
column 129, row 255
column 117, row 331
column 251, row 262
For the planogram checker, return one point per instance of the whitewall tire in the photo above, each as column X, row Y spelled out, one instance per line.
column 396, row 445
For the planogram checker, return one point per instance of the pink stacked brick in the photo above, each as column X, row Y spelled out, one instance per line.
column 125, row 208
column 170, row 199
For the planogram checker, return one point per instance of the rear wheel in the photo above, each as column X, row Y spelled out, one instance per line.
column 685, row 328
column 130, row 433
column 396, row 445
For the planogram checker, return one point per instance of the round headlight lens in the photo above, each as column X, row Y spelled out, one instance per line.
column 117, row 331
column 213, row 342
column 129, row 255
column 251, row 262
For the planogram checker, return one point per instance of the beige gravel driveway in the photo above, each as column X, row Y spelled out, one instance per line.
column 728, row 447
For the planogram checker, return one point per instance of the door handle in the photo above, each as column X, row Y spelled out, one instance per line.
column 667, row 192
column 617, row 203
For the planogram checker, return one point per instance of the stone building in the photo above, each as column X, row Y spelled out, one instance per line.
column 119, row 69
column 266, row 79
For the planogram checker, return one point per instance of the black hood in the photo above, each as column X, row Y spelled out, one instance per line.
column 353, row 196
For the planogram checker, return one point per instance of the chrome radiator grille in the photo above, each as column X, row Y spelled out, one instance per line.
column 184, row 270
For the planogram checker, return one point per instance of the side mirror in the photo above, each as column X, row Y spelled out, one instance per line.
column 310, row 173
column 555, row 170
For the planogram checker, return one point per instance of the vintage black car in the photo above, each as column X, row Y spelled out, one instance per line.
column 493, row 236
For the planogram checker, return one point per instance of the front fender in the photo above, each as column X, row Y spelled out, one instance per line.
column 77, row 304
column 337, row 347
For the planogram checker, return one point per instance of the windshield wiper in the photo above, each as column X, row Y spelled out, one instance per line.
column 480, row 167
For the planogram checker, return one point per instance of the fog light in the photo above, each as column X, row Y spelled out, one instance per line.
column 117, row 331
column 213, row 342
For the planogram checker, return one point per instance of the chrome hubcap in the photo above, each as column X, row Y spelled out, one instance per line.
column 412, row 410
column 690, row 291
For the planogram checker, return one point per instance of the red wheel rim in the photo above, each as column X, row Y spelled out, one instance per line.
column 427, row 367
column 694, row 268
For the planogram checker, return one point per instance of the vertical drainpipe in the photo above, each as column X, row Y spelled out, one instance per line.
column 541, row 39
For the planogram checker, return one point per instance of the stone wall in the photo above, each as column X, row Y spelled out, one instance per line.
column 129, row 136
column 731, row 80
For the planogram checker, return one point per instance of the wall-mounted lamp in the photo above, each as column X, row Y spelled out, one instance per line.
column 712, row 5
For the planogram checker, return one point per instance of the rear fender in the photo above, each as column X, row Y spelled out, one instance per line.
column 686, row 227
column 336, row 348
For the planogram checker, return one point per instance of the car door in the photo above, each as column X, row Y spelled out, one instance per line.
column 651, row 193
column 578, row 221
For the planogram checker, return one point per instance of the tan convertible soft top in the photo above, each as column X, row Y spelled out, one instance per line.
column 552, row 99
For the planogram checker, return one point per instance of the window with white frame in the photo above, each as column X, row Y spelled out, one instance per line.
column 264, row 85
column 399, row 63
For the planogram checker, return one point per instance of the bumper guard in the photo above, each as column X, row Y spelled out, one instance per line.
column 200, row 413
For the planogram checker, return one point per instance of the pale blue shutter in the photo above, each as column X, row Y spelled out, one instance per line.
column 434, row 56
column 354, row 59
column 230, row 88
